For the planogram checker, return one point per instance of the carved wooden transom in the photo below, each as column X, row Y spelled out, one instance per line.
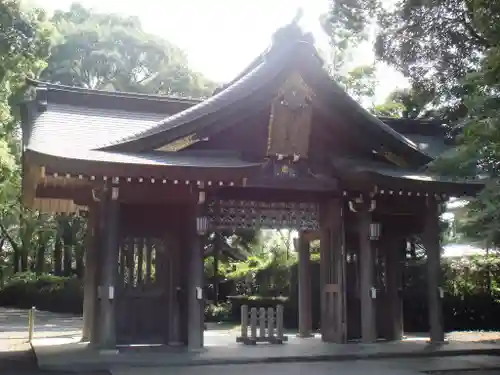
column 290, row 122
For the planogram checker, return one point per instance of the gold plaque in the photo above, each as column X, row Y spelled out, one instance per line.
column 291, row 116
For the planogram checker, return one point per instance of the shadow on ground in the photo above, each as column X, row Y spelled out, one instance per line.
column 18, row 358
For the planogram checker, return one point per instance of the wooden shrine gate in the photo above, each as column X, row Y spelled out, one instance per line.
column 145, row 292
column 303, row 216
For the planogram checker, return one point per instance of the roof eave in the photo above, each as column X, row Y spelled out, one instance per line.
column 120, row 94
column 104, row 168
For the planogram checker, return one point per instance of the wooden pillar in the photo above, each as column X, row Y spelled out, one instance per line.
column 431, row 239
column 90, row 278
column 394, row 279
column 304, row 281
column 367, row 280
column 175, row 289
column 196, row 275
column 332, row 264
column 216, row 254
column 108, row 268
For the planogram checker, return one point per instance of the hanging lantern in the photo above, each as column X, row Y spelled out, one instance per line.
column 201, row 225
column 375, row 229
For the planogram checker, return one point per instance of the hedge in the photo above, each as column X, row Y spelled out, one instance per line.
column 477, row 311
column 46, row 292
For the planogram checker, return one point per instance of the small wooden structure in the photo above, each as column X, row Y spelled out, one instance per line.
column 262, row 325
column 281, row 146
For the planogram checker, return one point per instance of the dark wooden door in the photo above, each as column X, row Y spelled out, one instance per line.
column 143, row 292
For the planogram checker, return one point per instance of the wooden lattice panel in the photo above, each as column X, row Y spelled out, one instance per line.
column 241, row 214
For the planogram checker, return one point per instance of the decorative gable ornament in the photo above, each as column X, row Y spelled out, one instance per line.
column 181, row 143
column 290, row 120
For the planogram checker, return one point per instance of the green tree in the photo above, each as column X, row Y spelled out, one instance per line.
column 347, row 26
column 436, row 44
column 111, row 52
column 479, row 149
column 24, row 46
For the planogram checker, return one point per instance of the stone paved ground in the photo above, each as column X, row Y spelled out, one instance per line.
column 317, row 368
column 16, row 355
column 17, row 358
column 14, row 324
column 467, row 372
column 364, row 367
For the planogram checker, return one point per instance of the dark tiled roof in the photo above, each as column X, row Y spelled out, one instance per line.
column 79, row 128
column 433, row 146
column 63, row 134
column 416, row 126
column 177, row 159
column 58, row 92
column 299, row 52
column 239, row 90
column 79, row 120
column 170, row 166
column 381, row 173
column 92, row 128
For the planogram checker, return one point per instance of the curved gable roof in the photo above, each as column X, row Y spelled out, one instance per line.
column 290, row 44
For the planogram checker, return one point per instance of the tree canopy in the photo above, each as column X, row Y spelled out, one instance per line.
column 112, row 52
column 83, row 48
column 450, row 52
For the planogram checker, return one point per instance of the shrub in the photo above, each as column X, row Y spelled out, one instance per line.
column 218, row 313
column 252, row 301
column 45, row 292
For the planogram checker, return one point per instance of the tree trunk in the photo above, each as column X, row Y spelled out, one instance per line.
column 68, row 259
column 16, row 260
column 40, row 258
column 24, row 260
column 58, row 256
column 79, row 263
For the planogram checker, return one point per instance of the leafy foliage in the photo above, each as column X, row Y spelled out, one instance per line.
column 46, row 292
column 435, row 44
column 81, row 48
column 479, row 150
column 346, row 25
column 111, row 52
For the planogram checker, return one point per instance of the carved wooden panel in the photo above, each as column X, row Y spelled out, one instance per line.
column 242, row 214
column 290, row 122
